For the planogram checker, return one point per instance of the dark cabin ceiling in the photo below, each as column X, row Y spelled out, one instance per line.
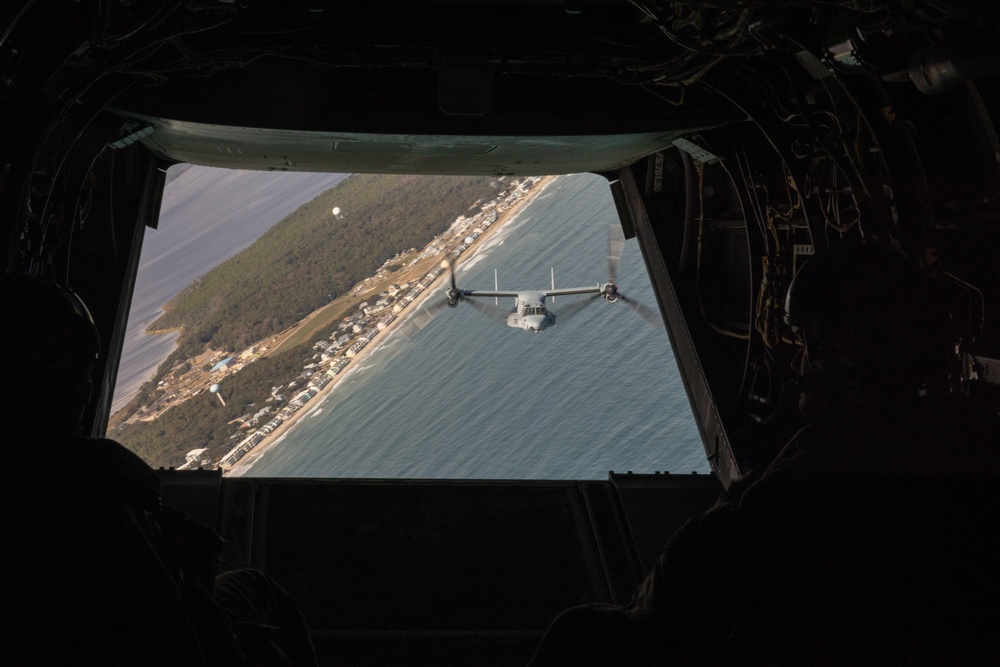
column 417, row 87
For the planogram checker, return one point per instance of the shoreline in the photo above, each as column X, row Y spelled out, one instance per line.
column 159, row 332
column 276, row 437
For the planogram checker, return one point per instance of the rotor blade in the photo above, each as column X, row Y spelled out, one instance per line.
column 645, row 312
column 421, row 319
column 429, row 312
column 492, row 310
column 616, row 245
column 450, row 268
column 563, row 313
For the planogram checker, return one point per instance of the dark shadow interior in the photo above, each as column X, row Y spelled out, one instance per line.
column 461, row 573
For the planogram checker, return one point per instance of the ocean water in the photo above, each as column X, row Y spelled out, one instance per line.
column 469, row 397
column 207, row 215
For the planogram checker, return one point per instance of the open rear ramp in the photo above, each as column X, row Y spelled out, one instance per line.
column 444, row 572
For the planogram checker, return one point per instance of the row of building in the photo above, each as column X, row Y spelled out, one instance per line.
column 333, row 354
column 357, row 330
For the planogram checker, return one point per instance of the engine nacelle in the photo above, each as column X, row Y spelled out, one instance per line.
column 610, row 292
column 451, row 297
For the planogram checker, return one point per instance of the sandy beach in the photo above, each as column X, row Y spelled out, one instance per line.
column 278, row 435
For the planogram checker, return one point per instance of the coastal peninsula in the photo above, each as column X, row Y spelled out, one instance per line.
column 274, row 438
column 312, row 355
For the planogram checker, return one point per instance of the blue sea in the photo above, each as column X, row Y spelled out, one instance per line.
column 468, row 397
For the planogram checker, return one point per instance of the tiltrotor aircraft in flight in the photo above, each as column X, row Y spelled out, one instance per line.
column 530, row 312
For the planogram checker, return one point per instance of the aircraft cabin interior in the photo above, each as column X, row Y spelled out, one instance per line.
column 737, row 139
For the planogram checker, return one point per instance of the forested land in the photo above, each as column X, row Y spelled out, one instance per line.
column 297, row 266
column 204, row 422
column 312, row 255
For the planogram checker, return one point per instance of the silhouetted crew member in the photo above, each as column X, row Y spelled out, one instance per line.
column 870, row 537
column 95, row 571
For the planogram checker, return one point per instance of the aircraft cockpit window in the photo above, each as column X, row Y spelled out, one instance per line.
column 313, row 344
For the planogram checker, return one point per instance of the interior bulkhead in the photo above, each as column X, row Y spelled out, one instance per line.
column 737, row 138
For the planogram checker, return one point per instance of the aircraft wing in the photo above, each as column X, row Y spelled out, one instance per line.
column 566, row 291
column 488, row 292
column 594, row 289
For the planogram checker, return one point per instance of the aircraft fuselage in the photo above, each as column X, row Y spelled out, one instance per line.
column 531, row 313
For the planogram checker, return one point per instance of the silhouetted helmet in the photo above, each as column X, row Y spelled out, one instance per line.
column 868, row 318
column 43, row 326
